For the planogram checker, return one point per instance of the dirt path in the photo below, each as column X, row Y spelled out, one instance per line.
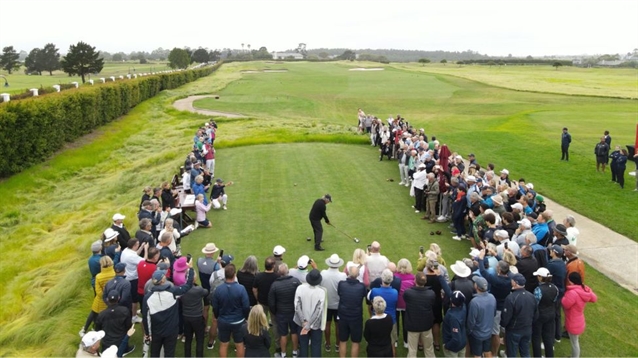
column 186, row 104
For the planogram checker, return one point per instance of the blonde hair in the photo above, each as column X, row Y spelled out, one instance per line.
column 434, row 247
column 105, row 261
column 257, row 320
column 404, row 266
column 168, row 224
column 359, row 257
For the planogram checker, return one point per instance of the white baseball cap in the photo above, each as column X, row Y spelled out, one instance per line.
column 91, row 337
column 278, row 250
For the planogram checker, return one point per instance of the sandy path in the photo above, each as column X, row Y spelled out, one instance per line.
column 186, row 104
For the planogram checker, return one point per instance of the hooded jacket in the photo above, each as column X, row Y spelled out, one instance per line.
column 574, row 301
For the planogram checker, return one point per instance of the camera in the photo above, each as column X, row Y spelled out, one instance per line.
column 421, row 249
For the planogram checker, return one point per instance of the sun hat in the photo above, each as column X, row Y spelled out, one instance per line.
column 110, row 234
column 334, row 261
column 96, row 246
column 542, row 272
column 497, row 199
column 91, row 337
column 480, row 282
column 460, row 269
column 561, row 229
column 313, row 277
column 278, row 250
column 302, row 263
column 210, row 248
column 180, row 265
column 118, row 216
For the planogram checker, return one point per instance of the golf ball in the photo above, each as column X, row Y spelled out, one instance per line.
column 356, row 240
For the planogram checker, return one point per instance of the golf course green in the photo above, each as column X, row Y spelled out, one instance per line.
column 297, row 143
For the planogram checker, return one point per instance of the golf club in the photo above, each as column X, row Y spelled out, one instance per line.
column 350, row 237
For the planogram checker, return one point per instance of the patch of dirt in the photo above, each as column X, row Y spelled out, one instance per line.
column 186, row 104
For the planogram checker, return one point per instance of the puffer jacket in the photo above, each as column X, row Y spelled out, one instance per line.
column 574, row 301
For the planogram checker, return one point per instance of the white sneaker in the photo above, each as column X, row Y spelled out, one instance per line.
column 501, row 353
column 196, row 225
column 407, row 185
column 294, row 354
column 395, row 344
column 401, row 183
column 225, row 208
column 405, row 345
column 457, row 238
column 81, row 333
column 137, row 319
column 417, row 211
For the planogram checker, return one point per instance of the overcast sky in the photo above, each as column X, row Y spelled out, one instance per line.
column 493, row 27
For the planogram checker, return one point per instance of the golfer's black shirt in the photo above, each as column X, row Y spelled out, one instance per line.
column 318, row 211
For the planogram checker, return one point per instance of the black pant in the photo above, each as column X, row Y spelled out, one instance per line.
column 614, row 171
column 543, row 328
column 197, row 326
column 565, row 152
column 418, row 199
column 620, row 176
column 317, row 229
column 169, row 343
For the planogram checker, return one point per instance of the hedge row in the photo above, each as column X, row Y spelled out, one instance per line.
column 32, row 129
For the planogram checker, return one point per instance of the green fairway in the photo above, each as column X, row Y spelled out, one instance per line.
column 515, row 130
column 20, row 82
column 53, row 211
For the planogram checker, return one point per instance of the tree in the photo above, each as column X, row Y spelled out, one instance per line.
column 178, row 58
column 33, row 62
column 50, row 58
column 9, row 59
column 262, row 54
column 143, row 60
column 214, row 55
column 81, row 60
column 424, row 61
column 323, row 55
column 242, row 47
column 200, row 56
column 302, row 50
column 118, row 57
column 444, row 61
column 557, row 64
column 347, row 55
column 491, row 63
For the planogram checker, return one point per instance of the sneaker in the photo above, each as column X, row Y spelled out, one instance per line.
column 225, row 208
column 501, row 353
column 278, row 355
column 556, row 340
column 405, row 345
column 211, row 345
column 408, row 184
column 457, row 238
column 81, row 333
column 183, row 338
column 401, row 183
column 336, row 348
column 294, row 354
column 207, row 329
column 396, row 344
column 327, row 347
column 139, row 312
column 136, row 319
column 195, row 225
column 129, row 350
column 417, row 211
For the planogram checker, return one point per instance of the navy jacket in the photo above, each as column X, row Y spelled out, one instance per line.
column 454, row 332
column 419, row 313
column 566, row 139
column 558, row 269
column 351, row 294
column 281, row 298
column 520, row 312
column 230, row 303
column 160, row 311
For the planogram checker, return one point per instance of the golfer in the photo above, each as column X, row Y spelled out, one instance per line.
column 318, row 212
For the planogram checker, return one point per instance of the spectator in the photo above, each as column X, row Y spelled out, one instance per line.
column 256, row 336
column 543, row 327
column 524, row 228
column 120, row 285
column 519, row 313
column 105, row 275
column 505, row 244
column 198, row 188
column 90, row 344
column 419, row 316
column 168, row 227
column 302, row 270
column 351, row 293
column 261, row 287
column 180, row 270
column 168, row 196
column 145, row 270
column 130, row 257
column 511, row 260
column 123, row 234
column 419, row 180
column 209, row 156
column 574, row 264
column 602, row 154
column 500, row 287
column 560, row 236
column 218, row 194
column 201, row 208
column 147, row 196
column 359, row 260
column 572, row 231
column 376, row 262
column 206, row 266
column 432, row 275
column 390, row 297
column 461, row 281
column 94, row 261
column 558, row 270
column 281, row 301
column 310, row 306
column 432, row 196
column 153, row 213
column 480, row 319
column 622, row 166
column 404, row 273
column 566, row 139
column 231, row 308
column 194, row 323
column 459, row 209
column 110, row 245
column 454, row 331
column 541, row 229
column 144, row 234
column 526, row 266
column 576, row 296
column 115, row 321
column 278, row 253
column 246, row 277
column 378, row 331
column 330, row 281
column 161, row 315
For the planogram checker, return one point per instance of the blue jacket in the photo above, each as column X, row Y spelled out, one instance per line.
column 520, row 312
column 391, row 297
column 94, row 267
column 558, row 269
column 566, row 139
column 454, row 333
column 480, row 318
column 500, row 286
column 230, row 303
column 160, row 311
column 199, row 189
column 351, row 294
column 123, row 287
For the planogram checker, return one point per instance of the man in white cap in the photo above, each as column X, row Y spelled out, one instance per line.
column 503, row 237
column 471, row 188
column 419, row 179
column 524, row 228
column 278, row 253
column 330, row 281
column 302, row 270
column 90, row 345
column 118, row 225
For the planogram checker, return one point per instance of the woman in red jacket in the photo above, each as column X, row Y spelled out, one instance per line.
column 576, row 296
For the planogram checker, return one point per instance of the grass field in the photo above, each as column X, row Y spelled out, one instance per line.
column 19, row 82
column 46, row 297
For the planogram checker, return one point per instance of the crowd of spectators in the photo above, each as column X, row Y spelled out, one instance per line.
column 521, row 275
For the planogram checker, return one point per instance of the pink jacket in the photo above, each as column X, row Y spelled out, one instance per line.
column 407, row 281
column 574, row 305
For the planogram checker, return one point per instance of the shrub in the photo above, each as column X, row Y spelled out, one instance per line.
column 32, row 129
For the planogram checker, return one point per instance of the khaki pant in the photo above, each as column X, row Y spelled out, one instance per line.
column 430, row 212
column 413, row 343
column 459, row 354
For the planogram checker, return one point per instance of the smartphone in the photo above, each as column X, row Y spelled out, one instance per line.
column 189, row 257
column 505, row 245
column 221, row 253
column 421, row 249
column 369, row 247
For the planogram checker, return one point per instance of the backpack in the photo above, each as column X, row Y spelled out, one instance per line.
column 215, row 281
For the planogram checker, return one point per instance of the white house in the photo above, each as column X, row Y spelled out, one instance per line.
column 283, row 55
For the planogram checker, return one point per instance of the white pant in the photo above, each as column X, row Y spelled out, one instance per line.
column 216, row 203
column 403, row 171
column 210, row 164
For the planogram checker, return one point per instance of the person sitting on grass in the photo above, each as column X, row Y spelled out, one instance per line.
column 218, row 194
column 201, row 208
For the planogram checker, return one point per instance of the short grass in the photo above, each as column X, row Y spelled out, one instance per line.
column 604, row 82
column 46, row 294
column 20, row 82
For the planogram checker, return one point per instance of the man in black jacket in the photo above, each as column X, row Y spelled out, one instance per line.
column 526, row 266
column 317, row 213
column 192, row 308
column 519, row 312
column 419, row 316
column 281, row 301
column 351, row 293
column 118, row 225
column 115, row 321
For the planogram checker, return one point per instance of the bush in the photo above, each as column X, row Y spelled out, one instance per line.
column 34, row 128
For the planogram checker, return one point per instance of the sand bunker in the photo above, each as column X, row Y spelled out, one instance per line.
column 367, row 69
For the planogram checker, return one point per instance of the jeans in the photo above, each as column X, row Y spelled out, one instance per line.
column 314, row 335
column 197, row 326
column 169, row 343
column 543, row 329
column 517, row 342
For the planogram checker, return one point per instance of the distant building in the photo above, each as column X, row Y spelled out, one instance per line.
column 285, row 55
column 609, row 62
